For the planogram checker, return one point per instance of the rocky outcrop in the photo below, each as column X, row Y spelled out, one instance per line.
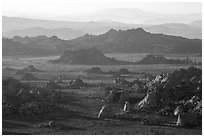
column 158, row 59
column 178, row 93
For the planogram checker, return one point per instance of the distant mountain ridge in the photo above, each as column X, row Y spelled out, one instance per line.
column 192, row 30
column 93, row 27
column 63, row 33
column 113, row 41
column 136, row 41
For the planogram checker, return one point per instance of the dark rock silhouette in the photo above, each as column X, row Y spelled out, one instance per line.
column 124, row 71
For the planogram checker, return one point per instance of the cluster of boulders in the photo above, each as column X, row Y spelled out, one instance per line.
column 76, row 83
column 164, row 94
column 177, row 86
column 122, row 95
column 181, row 90
column 189, row 112
column 24, row 100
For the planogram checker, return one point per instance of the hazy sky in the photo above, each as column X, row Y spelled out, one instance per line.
column 53, row 8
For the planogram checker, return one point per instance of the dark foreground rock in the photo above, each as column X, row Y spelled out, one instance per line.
column 23, row 100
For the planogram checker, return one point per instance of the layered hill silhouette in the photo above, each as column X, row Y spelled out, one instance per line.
column 190, row 28
column 113, row 41
column 93, row 56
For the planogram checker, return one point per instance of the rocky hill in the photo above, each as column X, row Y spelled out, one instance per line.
column 93, row 56
column 90, row 56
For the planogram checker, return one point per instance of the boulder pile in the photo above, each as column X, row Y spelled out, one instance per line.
column 168, row 94
column 189, row 112
column 180, row 85
column 180, row 91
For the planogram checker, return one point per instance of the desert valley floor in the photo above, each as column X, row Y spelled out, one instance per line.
column 79, row 107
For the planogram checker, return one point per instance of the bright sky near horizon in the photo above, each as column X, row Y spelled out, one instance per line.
column 51, row 8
